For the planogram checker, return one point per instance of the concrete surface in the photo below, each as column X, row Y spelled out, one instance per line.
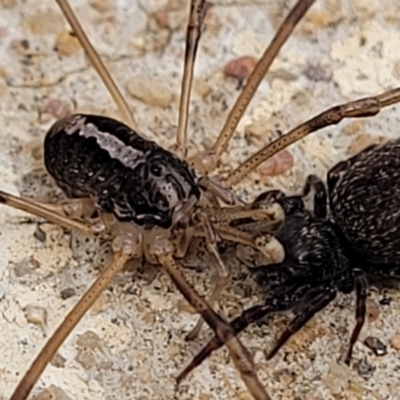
column 131, row 345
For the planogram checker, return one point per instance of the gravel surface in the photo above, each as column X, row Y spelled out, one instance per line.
column 131, row 345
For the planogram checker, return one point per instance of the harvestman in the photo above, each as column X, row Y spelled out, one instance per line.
column 167, row 233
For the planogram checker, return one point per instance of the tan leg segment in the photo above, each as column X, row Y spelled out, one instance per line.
column 273, row 213
column 33, row 374
column 262, row 67
column 49, row 212
column 196, row 17
column 366, row 107
column 266, row 243
column 222, row 271
column 98, row 64
column 240, row 355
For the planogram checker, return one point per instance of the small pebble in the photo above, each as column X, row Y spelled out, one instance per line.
column 373, row 311
column 365, row 369
column 277, row 164
column 375, row 344
column 106, row 364
column 337, row 379
column 162, row 18
column 2, row 292
column 58, row 361
column 257, row 128
column 57, row 108
column 52, row 393
column 43, row 23
column 9, row 3
column 86, row 358
column 89, row 340
column 150, row 91
column 241, row 69
column 395, row 342
column 67, row 44
column 362, row 141
column 39, row 234
column 284, row 376
column 26, row 266
column 35, row 315
column 102, row 6
column 67, row 293
column 317, row 73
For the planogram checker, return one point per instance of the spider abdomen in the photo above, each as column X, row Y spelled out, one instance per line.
column 135, row 179
column 364, row 195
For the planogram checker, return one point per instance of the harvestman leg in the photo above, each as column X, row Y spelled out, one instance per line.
column 207, row 162
column 43, row 211
column 366, row 107
column 127, row 247
column 196, row 17
column 75, row 315
column 193, row 33
column 216, row 225
column 97, row 64
column 253, row 314
column 240, row 355
column 223, row 272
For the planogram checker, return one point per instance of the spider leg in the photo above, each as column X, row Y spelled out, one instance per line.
column 248, row 317
column 320, row 196
column 321, row 298
column 270, row 196
column 361, row 292
column 285, row 301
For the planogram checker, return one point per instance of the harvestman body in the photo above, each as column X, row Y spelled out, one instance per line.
column 151, row 203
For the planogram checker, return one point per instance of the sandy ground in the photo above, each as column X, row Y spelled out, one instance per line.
column 131, row 345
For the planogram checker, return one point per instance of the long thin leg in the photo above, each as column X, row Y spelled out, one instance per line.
column 196, row 17
column 98, row 64
column 320, row 301
column 240, row 355
column 248, row 317
column 222, row 270
column 262, row 67
column 366, row 107
column 47, row 353
column 253, row 314
column 40, row 210
column 260, row 211
column 361, row 290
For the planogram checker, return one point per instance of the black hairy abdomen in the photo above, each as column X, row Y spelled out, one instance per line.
column 365, row 203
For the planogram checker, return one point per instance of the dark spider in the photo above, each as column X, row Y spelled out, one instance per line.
column 326, row 254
